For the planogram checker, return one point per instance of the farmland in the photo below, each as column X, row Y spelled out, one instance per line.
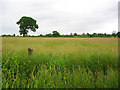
column 59, row 62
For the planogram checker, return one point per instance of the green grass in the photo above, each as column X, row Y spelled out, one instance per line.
column 60, row 63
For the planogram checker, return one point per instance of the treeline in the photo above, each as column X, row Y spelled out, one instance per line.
column 57, row 34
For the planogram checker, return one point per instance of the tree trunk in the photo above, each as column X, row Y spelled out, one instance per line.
column 24, row 32
column 23, row 35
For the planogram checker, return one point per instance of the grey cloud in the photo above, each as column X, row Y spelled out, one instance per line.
column 49, row 18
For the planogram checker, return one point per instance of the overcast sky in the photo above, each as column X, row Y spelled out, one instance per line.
column 65, row 16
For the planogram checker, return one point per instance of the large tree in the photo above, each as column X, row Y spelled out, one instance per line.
column 27, row 23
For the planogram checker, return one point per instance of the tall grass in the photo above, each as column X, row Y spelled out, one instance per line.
column 60, row 63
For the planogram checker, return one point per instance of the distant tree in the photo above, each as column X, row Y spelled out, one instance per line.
column 118, row 34
column 13, row 35
column 41, row 35
column 114, row 33
column 27, row 23
column 75, row 34
column 100, row 35
column 4, row 35
column 94, row 35
column 91, row 35
column 48, row 35
column 105, row 34
column 71, row 35
column 88, row 34
column 83, row 34
column 55, row 34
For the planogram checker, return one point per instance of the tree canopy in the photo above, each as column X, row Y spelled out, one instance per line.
column 56, row 34
column 27, row 23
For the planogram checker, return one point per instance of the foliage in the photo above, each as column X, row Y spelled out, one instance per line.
column 75, row 34
column 56, row 34
column 27, row 23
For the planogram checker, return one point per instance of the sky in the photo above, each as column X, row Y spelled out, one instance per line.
column 64, row 16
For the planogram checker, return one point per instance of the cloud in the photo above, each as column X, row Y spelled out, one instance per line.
column 65, row 16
